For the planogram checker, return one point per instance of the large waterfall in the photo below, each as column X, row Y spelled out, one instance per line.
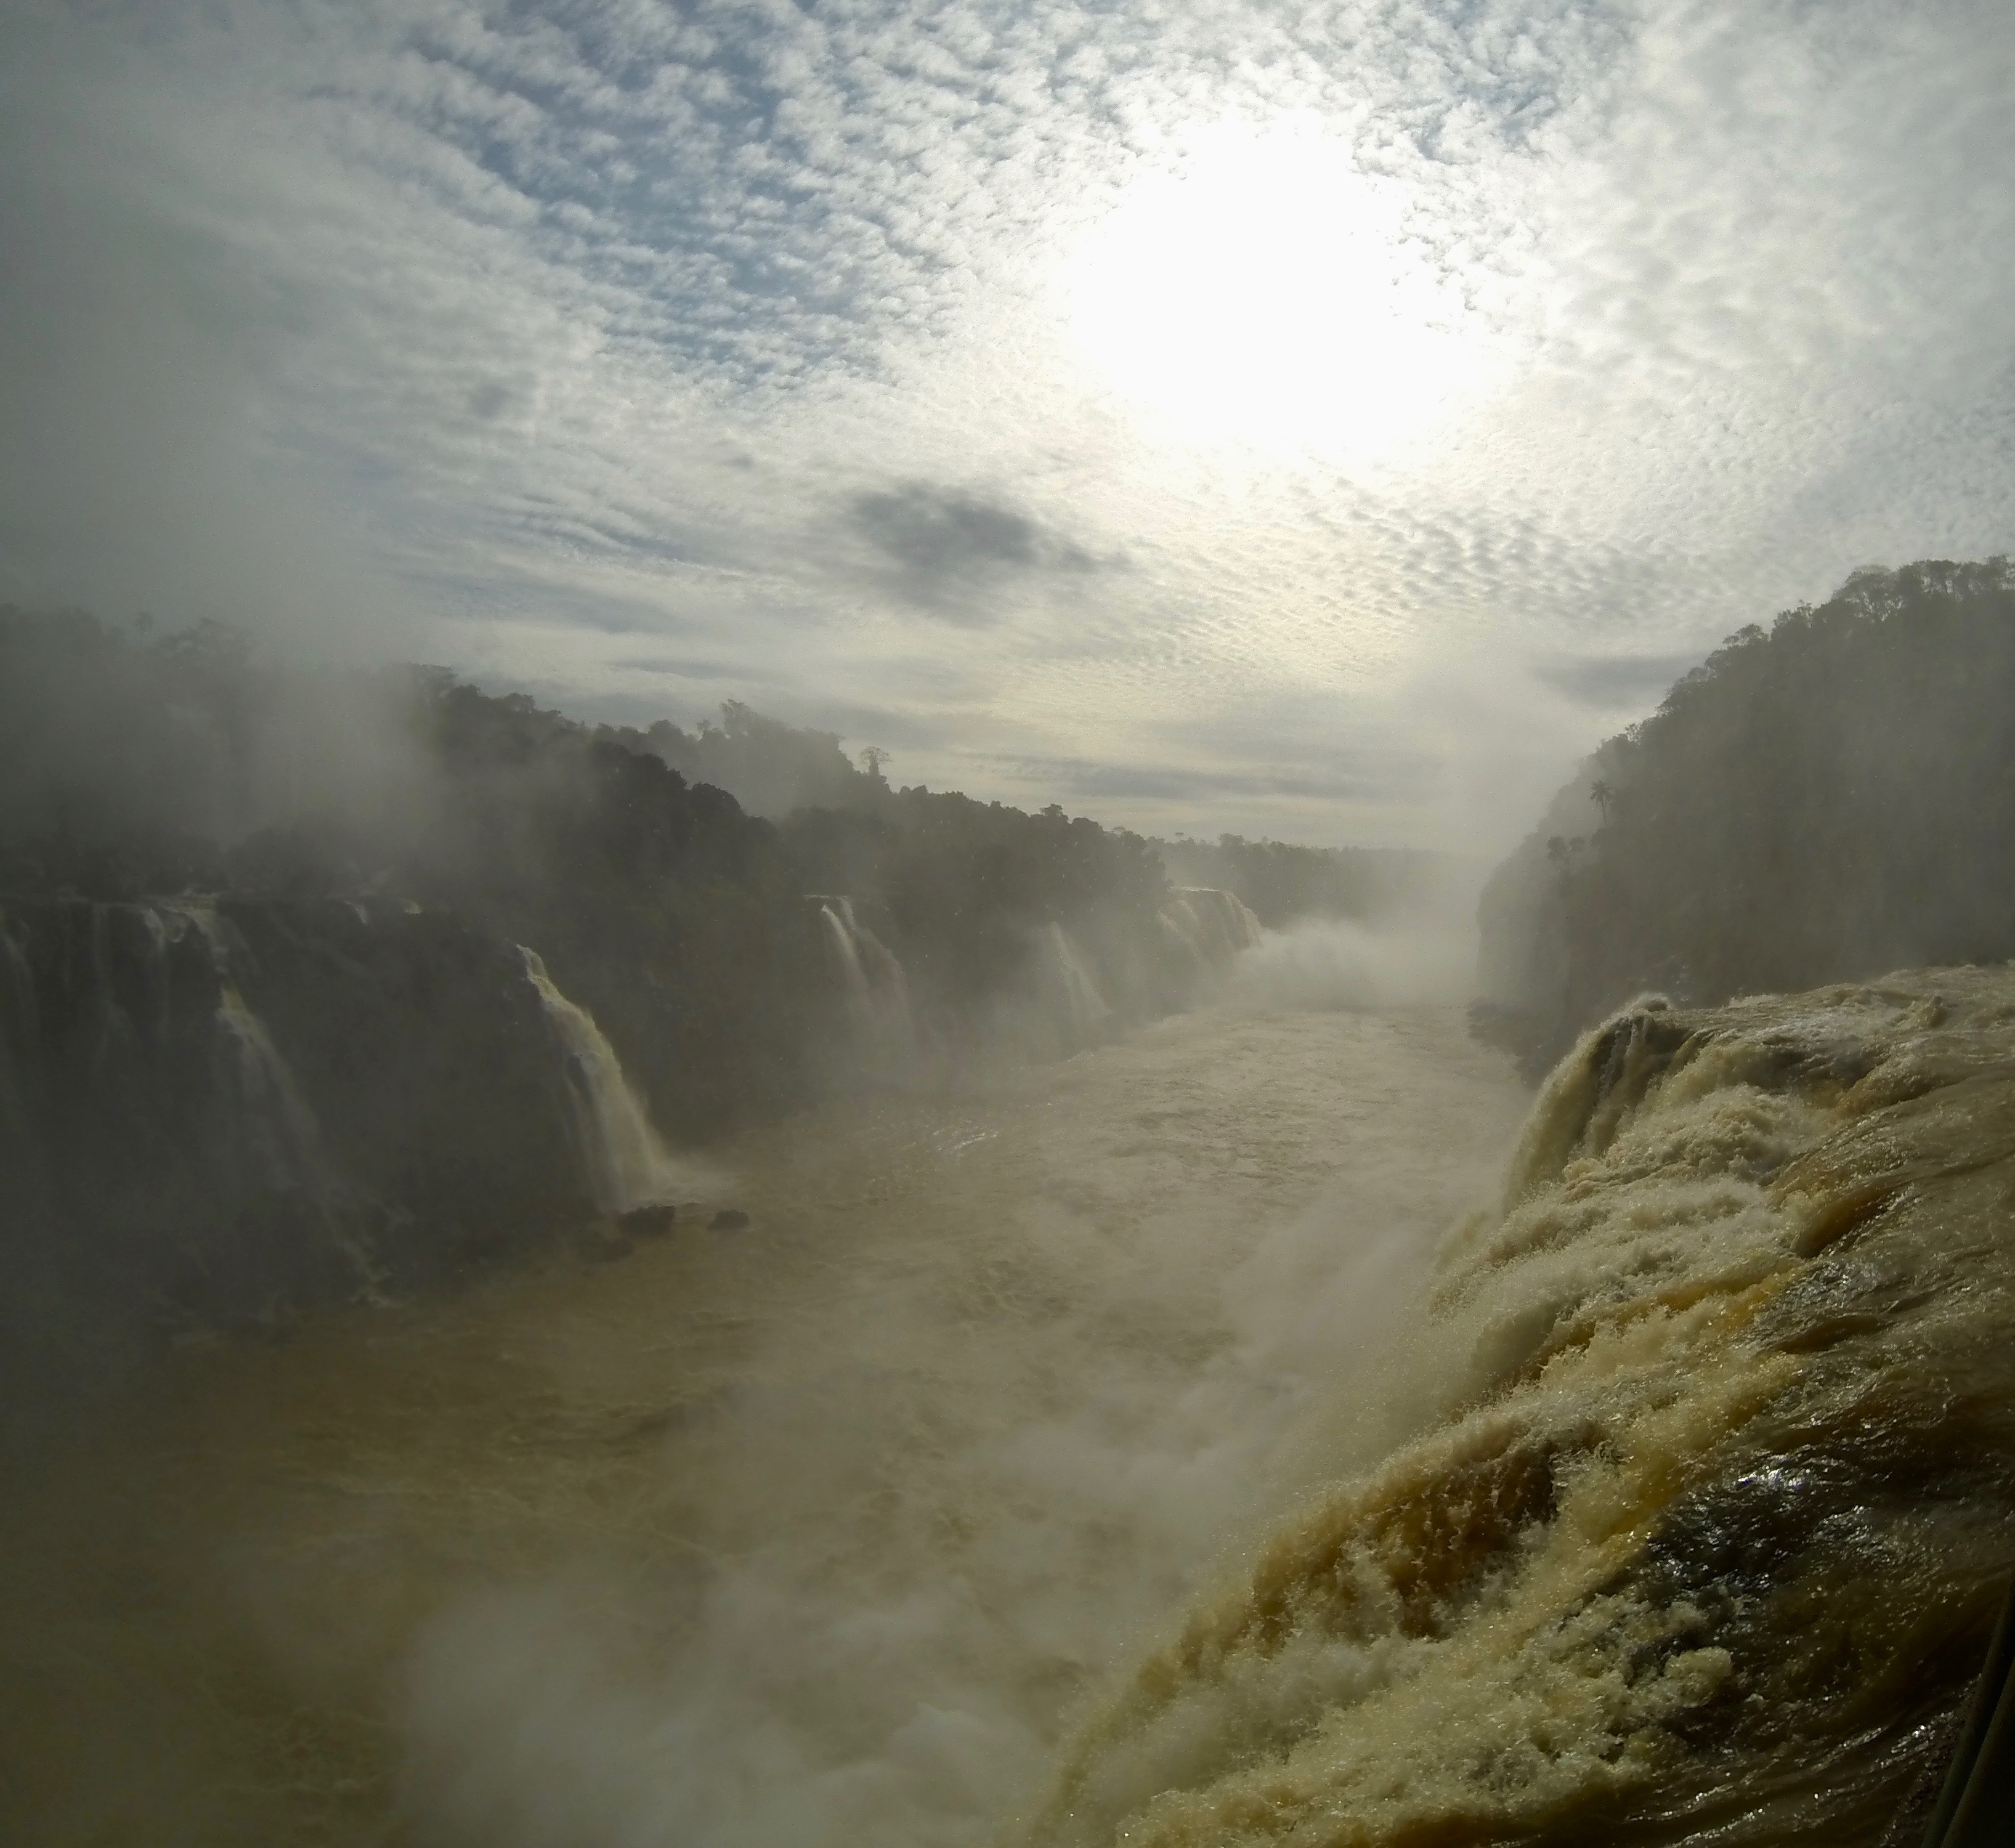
column 212, row 1111
column 139, row 1009
column 1711, row 1510
column 274, row 1141
column 629, row 1163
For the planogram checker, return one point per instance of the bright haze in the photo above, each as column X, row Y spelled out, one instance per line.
column 1315, row 420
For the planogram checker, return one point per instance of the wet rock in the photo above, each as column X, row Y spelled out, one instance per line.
column 646, row 1222
column 728, row 1219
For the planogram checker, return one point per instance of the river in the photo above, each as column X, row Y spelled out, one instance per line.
column 825, row 1528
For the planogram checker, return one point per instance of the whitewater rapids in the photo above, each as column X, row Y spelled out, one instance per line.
column 1710, row 1543
column 1243, row 1435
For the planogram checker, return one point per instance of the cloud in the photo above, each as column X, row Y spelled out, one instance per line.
column 948, row 545
column 569, row 343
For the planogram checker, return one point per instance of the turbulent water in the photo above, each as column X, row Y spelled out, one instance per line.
column 1131, row 1455
column 1709, row 1548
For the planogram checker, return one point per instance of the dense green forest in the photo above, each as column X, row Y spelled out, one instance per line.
column 771, row 769
column 1825, row 800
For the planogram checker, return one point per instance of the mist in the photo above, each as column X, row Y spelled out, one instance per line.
column 803, row 1688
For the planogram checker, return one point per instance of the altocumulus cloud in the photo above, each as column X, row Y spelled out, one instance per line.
column 950, row 547
column 1043, row 385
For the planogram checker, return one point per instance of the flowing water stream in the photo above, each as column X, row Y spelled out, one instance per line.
column 814, row 1532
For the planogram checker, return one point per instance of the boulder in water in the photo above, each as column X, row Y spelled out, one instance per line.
column 728, row 1219
column 647, row 1222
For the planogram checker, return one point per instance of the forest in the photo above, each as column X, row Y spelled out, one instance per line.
column 1825, row 800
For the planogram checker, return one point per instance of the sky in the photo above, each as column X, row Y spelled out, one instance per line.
column 1319, row 421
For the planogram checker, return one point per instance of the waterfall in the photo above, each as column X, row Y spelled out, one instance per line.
column 272, row 1141
column 877, row 992
column 1214, row 925
column 1703, row 1514
column 1082, row 1012
column 17, row 1023
column 627, row 1163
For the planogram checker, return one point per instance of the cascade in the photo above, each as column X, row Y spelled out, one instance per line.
column 212, row 1109
column 272, row 1142
column 17, row 1023
column 877, row 991
column 1214, row 924
column 21, row 1184
column 1704, row 1517
column 1081, row 1011
column 627, row 1163
column 138, row 1026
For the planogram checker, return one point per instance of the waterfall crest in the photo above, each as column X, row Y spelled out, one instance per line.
column 1707, row 1534
column 627, row 1163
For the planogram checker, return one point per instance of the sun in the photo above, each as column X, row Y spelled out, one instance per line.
column 1266, row 293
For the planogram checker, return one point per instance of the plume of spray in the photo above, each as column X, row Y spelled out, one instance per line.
column 977, row 1458
column 1336, row 962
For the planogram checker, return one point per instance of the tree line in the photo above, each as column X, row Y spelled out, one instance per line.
column 1825, row 800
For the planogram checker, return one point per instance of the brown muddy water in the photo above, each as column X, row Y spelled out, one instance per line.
column 826, row 1530
column 1244, row 1436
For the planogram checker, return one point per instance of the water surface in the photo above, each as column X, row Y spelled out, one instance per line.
column 824, row 1530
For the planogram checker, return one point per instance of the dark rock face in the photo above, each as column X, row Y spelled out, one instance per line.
column 424, row 1052
column 212, row 1111
column 646, row 1222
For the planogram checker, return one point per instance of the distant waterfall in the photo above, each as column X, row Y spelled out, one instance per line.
column 1211, row 924
column 272, row 1137
column 1081, row 1013
column 627, row 1163
column 877, row 992
column 17, row 1021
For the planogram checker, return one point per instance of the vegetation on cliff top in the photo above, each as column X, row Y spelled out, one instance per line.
column 1825, row 801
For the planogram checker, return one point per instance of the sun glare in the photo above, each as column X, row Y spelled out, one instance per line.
column 1267, row 294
